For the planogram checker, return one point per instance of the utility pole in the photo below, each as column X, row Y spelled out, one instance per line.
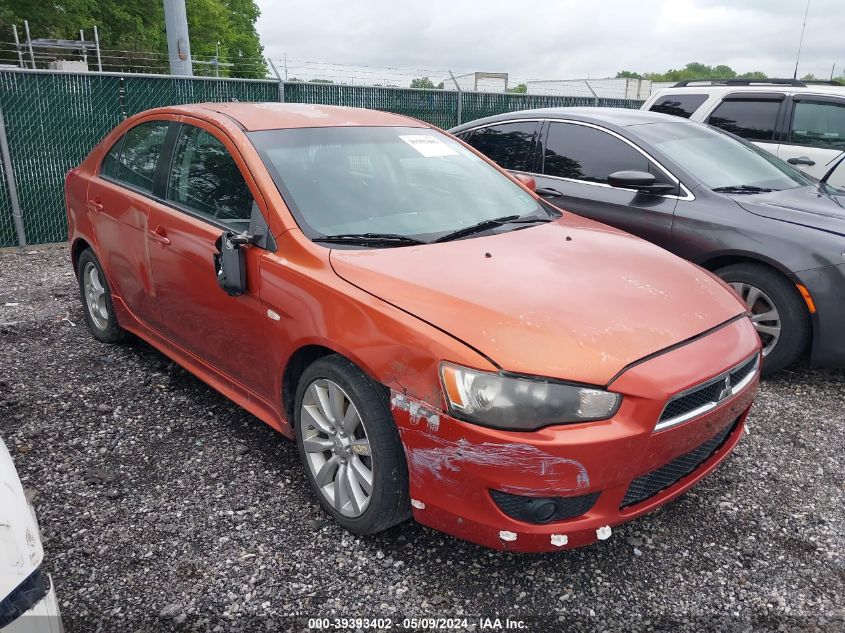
column 178, row 45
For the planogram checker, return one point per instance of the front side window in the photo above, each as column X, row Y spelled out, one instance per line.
column 818, row 124
column 413, row 182
column 139, row 154
column 585, row 153
column 508, row 145
column 678, row 105
column 205, row 179
column 749, row 118
column 718, row 160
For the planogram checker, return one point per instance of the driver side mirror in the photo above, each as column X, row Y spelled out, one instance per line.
column 230, row 263
column 640, row 181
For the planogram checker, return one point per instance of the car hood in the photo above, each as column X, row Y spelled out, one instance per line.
column 572, row 299
column 807, row 206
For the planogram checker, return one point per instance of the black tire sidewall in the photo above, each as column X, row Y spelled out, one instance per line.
column 795, row 320
column 112, row 333
column 389, row 502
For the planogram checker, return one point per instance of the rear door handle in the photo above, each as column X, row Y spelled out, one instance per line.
column 160, row 235
column 95, row 205
column 801, row 160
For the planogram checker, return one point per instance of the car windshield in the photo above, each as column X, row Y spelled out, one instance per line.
column 388, row 181
column 720, row 161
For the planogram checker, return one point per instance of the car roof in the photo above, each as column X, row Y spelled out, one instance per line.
column 274, row 116
column 618, row 117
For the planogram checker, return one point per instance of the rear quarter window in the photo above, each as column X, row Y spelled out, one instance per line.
column 678, row 105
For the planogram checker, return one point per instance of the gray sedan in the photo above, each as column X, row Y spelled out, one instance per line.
column 774, row 234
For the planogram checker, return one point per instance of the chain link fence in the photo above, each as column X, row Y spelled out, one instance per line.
column 54, row 119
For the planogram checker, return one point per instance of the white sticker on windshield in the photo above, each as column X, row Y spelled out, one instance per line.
column 428, row 145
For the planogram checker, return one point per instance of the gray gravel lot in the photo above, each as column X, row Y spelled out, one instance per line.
column 165, row 507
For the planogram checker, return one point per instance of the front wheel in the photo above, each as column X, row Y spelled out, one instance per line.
column 777, row 311
column 350, row 446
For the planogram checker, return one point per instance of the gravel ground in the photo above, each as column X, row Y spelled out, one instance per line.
column 165, row 507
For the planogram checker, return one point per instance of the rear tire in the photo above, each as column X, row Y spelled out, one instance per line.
column 96, row 300
column 353, row 444
column 778, row 312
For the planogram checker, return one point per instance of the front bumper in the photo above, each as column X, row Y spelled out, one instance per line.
column 827, row 288
column 453, row 465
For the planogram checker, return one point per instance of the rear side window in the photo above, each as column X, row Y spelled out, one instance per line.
column 585, row 153
column 205, row 178
column 752, row 119
column 139, row 154
column 818, row 124
column 508, row 144
column 678, row 105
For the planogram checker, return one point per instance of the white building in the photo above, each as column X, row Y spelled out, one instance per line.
column 478, row 82
column 601, row 88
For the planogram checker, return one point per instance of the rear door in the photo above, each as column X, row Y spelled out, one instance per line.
column 756, row 117
column 575, row 161
column 204, row 194
column 815, row 135
column 511, row 144
column 118, row 203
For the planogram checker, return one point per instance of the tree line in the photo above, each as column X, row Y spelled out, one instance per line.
column 132, row 33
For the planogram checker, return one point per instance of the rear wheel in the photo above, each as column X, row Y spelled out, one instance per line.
column 350, row 446
column 777, row 311
column 96, row 300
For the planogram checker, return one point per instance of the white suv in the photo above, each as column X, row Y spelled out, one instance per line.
column 802, row 123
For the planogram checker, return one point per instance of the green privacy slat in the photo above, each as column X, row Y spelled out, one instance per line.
column 54, row 119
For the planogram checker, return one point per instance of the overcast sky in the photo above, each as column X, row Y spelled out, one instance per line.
column 533, row 39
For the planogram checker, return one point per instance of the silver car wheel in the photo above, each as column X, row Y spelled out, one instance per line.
column 337, row 448
column 764, row 314
column 95, row 296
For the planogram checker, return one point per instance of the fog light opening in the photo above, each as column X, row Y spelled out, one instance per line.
column 541, row 510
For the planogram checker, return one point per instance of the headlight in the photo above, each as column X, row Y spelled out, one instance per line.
column 521, row 404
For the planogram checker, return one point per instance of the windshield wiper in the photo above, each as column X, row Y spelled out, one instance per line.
column 370, row 239
column 486, row 225
column 743, row 189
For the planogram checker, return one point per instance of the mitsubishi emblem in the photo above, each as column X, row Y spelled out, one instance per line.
column 726, row 389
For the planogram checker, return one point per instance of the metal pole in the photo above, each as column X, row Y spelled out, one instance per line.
column 458, row 110
column 97, row 43
column 29, row 43
column 286, row 66
column 18, row 46
column 84, row 49
column 595, row 96
column 10, row 182
column 279, row 77
column 178, row 44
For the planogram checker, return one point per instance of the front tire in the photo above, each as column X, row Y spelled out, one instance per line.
column 350, row 447
column 777, row 311
column 96, row 299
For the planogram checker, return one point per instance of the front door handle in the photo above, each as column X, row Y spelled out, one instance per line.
column 801, row 160
column 548, row 192
column 160, row 235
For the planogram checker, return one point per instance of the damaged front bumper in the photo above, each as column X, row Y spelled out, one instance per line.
column 565, row 486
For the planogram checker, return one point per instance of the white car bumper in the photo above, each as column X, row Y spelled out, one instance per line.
column 44, row 617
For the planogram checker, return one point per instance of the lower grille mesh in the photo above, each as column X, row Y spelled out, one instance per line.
column 661, row 478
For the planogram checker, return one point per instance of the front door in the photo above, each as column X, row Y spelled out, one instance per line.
column 206, row 194
column 575, row 163
column 816, row 135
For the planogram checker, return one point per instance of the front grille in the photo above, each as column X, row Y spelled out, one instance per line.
column 669, row 474
column 523, row 508
column 700, row 399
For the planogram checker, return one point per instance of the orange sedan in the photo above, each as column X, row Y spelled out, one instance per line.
column 439, row 341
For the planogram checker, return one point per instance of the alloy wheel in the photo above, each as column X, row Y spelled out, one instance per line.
column 95, row 296
column 764, row 314
column 337, row 448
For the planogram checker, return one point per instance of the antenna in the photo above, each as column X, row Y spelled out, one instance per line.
column 801, row 41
